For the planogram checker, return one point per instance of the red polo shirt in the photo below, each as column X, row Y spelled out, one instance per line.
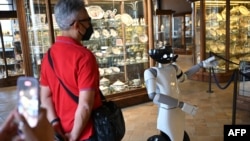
column 76, row 66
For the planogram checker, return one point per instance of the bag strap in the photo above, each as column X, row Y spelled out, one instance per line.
column 74, row 97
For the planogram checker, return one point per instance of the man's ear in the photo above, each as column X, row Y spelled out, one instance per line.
column 76, row 24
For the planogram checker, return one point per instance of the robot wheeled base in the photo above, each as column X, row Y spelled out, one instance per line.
column 164, row 137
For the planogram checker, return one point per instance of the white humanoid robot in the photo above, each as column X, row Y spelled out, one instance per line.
column 162, row 87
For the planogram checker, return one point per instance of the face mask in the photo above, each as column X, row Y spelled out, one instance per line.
column 87, row 34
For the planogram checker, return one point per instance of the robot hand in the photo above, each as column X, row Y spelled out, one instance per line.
column 190, row 109
column 210, row 62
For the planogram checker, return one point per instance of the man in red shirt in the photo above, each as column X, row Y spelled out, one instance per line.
column 77, row 67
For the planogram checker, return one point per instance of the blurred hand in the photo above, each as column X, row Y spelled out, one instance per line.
column 59, row 134
column 9, row 128
column 42, row 132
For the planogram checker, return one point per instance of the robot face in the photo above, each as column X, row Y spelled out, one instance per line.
column 163, row 55
column 171, row 55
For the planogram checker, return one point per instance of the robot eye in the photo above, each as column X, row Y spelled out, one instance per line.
column 165, row 56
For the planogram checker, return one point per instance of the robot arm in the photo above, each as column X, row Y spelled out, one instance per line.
column 173, row 102
column 193, row 69
column 150, row 80
column 208, row 63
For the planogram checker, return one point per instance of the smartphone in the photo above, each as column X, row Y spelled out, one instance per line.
column 28, row 99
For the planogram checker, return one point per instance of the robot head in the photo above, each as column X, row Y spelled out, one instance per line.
column 163, row 55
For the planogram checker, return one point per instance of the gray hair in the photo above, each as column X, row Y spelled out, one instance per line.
column 67, row 11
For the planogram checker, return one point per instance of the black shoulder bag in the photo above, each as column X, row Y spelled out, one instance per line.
column 108, row 119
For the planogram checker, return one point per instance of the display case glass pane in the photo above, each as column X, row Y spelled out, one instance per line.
column 120, row 43
column 6, row 5
column 178, row 36
column 162, row 23
column 234, row 47
column 188, row 32
column 197, row 43
column 11, row 57
column 239, row 32
column 182, row 33
column 38, row 32
column 167, row 28
column 5, row 2
column 215, row 23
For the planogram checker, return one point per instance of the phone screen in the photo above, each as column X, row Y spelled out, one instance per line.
column 28, row 99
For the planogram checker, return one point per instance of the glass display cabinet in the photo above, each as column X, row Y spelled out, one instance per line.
column 243, row 97
column 221, row 27
column 120, row 42
column 163, row 26
column 182, row 33
column 11, row 60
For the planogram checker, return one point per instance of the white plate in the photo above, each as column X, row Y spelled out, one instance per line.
column 118, row 17
column 95, row 12
column 96, row 34
column 116, row 69
column 143, row 38
column 113, row 32
column 126, row 19
column 105, row 33
column 101, row 71
column 243, row 10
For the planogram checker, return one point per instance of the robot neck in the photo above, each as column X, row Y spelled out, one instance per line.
column 160, row 65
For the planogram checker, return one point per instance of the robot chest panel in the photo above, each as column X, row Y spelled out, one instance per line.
column 166, row 75
column 167, row 83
